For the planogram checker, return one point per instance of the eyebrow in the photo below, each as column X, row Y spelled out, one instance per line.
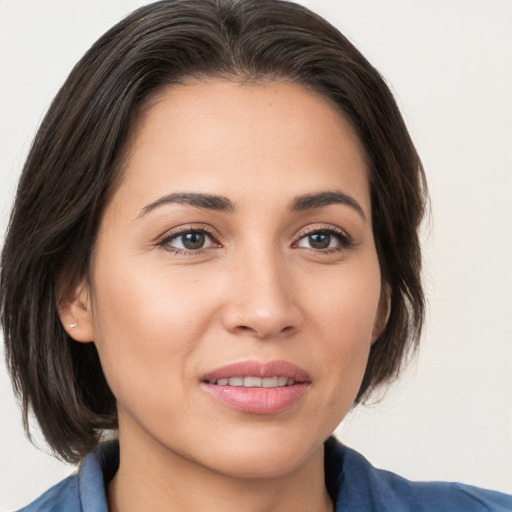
column 223, row 204
column 206, row 201
column 321, row 199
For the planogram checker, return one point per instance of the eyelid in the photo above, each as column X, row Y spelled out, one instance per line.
column 327, row 228
column 344, row 239
column 175, row 232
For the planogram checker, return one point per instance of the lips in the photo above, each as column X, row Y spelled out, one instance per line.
column 257, row 388
column 258, row 369
column 255, row 382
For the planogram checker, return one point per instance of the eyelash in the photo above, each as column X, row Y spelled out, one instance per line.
column 344, row 240
column 170, row 236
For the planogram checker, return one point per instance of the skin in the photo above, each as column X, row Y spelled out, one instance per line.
column 257, row 291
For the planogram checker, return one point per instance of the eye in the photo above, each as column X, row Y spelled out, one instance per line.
column 188, row 241
column 324, row 240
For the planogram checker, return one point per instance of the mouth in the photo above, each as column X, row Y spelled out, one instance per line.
column 255, row 382
column 257, row 388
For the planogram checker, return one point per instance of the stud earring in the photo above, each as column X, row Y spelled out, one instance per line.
column 73, row 325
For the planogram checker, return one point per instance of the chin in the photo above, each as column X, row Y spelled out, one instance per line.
column 259, row 463
column 261, row 453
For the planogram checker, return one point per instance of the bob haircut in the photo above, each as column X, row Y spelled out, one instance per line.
column 76, row 160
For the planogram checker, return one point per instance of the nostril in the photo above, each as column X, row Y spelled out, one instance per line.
column 246, row 329
column 249, row 319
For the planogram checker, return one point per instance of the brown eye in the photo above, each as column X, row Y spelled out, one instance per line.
column 319, row 240
column 188, row 241
column 194, row 240
column 324, row 240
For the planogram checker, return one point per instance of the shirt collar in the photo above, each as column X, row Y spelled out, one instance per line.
column 98, row 468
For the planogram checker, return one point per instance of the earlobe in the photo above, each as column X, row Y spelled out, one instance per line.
column 74, row 308
column 383, row 311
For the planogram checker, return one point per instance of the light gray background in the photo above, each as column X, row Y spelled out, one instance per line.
column 449, row 64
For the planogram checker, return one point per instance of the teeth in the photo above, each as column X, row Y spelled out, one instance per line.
column 282, row 381
column 270, row 382
column 256, row 382
column 252, row 382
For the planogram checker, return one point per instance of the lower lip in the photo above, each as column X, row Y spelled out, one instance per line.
column 258, row 400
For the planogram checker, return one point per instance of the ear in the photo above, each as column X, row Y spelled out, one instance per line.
column 74, row 307
column 383, row 311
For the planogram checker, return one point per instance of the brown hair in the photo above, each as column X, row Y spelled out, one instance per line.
column 75, row 161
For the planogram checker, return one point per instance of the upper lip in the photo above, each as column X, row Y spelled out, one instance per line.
column 276, row 368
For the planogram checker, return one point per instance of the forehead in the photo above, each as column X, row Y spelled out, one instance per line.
column 224, row 136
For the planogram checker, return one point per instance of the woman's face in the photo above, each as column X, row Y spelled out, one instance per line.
column 237, row 251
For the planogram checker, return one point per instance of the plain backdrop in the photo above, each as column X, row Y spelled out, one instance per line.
column 449, row 63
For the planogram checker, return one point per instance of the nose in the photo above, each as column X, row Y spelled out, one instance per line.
column 261, row 301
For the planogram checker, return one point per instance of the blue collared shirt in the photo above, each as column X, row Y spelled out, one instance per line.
column 353, row 483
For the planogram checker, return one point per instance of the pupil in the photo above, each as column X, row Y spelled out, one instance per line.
column 320, row 240
column 193, row 240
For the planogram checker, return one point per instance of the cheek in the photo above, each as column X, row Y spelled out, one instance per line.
column 147, row 325
column 347, row 301
column 136, row 297
column 344, row 315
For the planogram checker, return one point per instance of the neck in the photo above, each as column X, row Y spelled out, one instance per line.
column 154, row 478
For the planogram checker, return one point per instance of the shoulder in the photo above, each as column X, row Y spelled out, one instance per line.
column 84, row 491
column 438, row 496
column 60, row 497
column 358, row 486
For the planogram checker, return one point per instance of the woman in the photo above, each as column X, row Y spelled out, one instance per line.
column 214, row 250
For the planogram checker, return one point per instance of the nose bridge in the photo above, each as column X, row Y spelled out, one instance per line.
column 261, row 302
